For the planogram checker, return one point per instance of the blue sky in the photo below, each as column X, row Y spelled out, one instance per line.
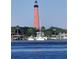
column 51, row 13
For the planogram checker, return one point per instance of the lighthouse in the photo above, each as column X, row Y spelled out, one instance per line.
column 36, row 16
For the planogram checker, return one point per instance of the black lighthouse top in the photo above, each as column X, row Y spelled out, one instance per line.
column 36, row 1
column 36, row 5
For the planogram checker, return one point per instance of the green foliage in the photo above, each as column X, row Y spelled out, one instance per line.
column 43, row 29
column 30, row 31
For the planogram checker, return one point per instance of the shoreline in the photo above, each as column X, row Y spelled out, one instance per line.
column 45, row 41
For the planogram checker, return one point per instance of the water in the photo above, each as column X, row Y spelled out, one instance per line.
column 39, row 50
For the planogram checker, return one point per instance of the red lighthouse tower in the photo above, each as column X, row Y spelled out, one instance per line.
column 36, row 16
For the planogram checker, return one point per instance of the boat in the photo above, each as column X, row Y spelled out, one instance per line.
column 40, row 38
column 31, row 38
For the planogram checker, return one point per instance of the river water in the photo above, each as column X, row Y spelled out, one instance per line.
column 39, row 50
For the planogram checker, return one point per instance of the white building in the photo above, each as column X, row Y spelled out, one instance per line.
column 62, row 35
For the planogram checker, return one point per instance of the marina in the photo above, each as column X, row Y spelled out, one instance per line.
column 40, row 38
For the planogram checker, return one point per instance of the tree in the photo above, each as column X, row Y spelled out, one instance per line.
column 31, row 31
column 28, row 31
column 48, row 33
column 12, row 30
column 43, row 29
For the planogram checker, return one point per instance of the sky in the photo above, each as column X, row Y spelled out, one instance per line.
column 51, row 13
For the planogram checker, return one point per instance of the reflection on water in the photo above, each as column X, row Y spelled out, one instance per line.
column 23, row 50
